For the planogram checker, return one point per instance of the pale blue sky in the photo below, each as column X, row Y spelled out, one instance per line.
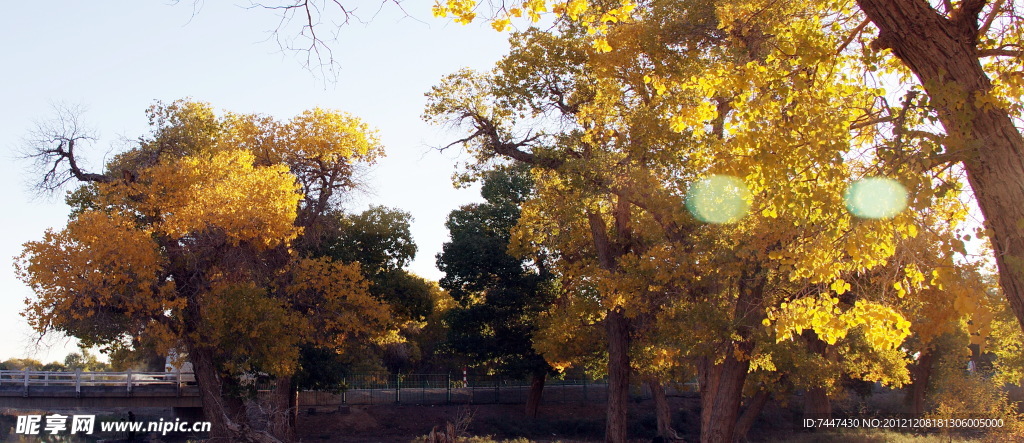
column 117, row 57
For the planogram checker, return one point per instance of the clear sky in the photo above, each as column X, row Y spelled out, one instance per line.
column 115, row 57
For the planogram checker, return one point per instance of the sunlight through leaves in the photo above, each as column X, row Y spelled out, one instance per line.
column 876, row 197
column 718, row 199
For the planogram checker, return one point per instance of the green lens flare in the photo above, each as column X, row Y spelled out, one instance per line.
column 876, row 197
column 718, row 199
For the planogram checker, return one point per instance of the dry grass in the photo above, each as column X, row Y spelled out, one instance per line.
column 871, row 436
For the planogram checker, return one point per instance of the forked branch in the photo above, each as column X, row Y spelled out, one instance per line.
column 51, row 148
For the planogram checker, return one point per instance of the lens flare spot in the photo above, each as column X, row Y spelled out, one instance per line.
column 718, row 199
column 876, row 197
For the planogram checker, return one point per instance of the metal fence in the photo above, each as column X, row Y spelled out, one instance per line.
column 436, row 389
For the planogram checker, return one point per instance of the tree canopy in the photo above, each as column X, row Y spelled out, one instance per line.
column 964, row 109
column 187, row 239
column 696, row 171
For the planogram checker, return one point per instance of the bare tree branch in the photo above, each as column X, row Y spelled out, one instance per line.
column 997, row 7
column 51, row 147
column 853, row 36
column 312, row 27
column 491, row 139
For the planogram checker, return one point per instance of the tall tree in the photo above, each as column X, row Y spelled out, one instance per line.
column 964, row 54
column 691, row 167
column 499, row 296
column 185, row 240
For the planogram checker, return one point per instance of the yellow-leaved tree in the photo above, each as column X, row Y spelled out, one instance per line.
column 698, row 173
column 189, row 241
column 966, row 57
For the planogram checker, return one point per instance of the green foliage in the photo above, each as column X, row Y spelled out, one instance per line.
column 378, row 238
column 477, row 258
column 408, row 294
column 142, row 356
column 54, row 367
column 499, row 296
column 320, row 369
column 84, row 361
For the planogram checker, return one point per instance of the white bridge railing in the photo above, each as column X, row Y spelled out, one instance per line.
column 128, row 379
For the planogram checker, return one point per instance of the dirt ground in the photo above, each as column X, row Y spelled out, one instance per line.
column 564, row 422
column 389, row 423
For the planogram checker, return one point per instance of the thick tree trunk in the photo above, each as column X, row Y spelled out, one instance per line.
column 920, row 373
column 616, row 324
column 224, row 414
column 942, row 52
column 222, row 427
column 282, row 410
column 617, row 327
column 750, row 414
column 536, row 392
column 721, row 390
column 817, row 403
column 721, row 384
column 662, row 411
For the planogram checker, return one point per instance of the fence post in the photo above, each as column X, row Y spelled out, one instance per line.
column 128, row 381
column 448, row 389
column 177, row 382
column 344, row 391
column 398, row 388
column 26, row 382
column 78, row 382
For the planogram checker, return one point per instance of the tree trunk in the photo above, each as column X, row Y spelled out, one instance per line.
column 721, row 384
column 816, row 401
column 224, row 414
column 536, row 392
column 222, row 426
column 662, row 411
column 616, row 417
column 282, row 409
column 721, row 390
column 920, row 373
column 942, row 53
column 750, row 414
column 616, row 324
column 293, row 407
column 617, row 327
